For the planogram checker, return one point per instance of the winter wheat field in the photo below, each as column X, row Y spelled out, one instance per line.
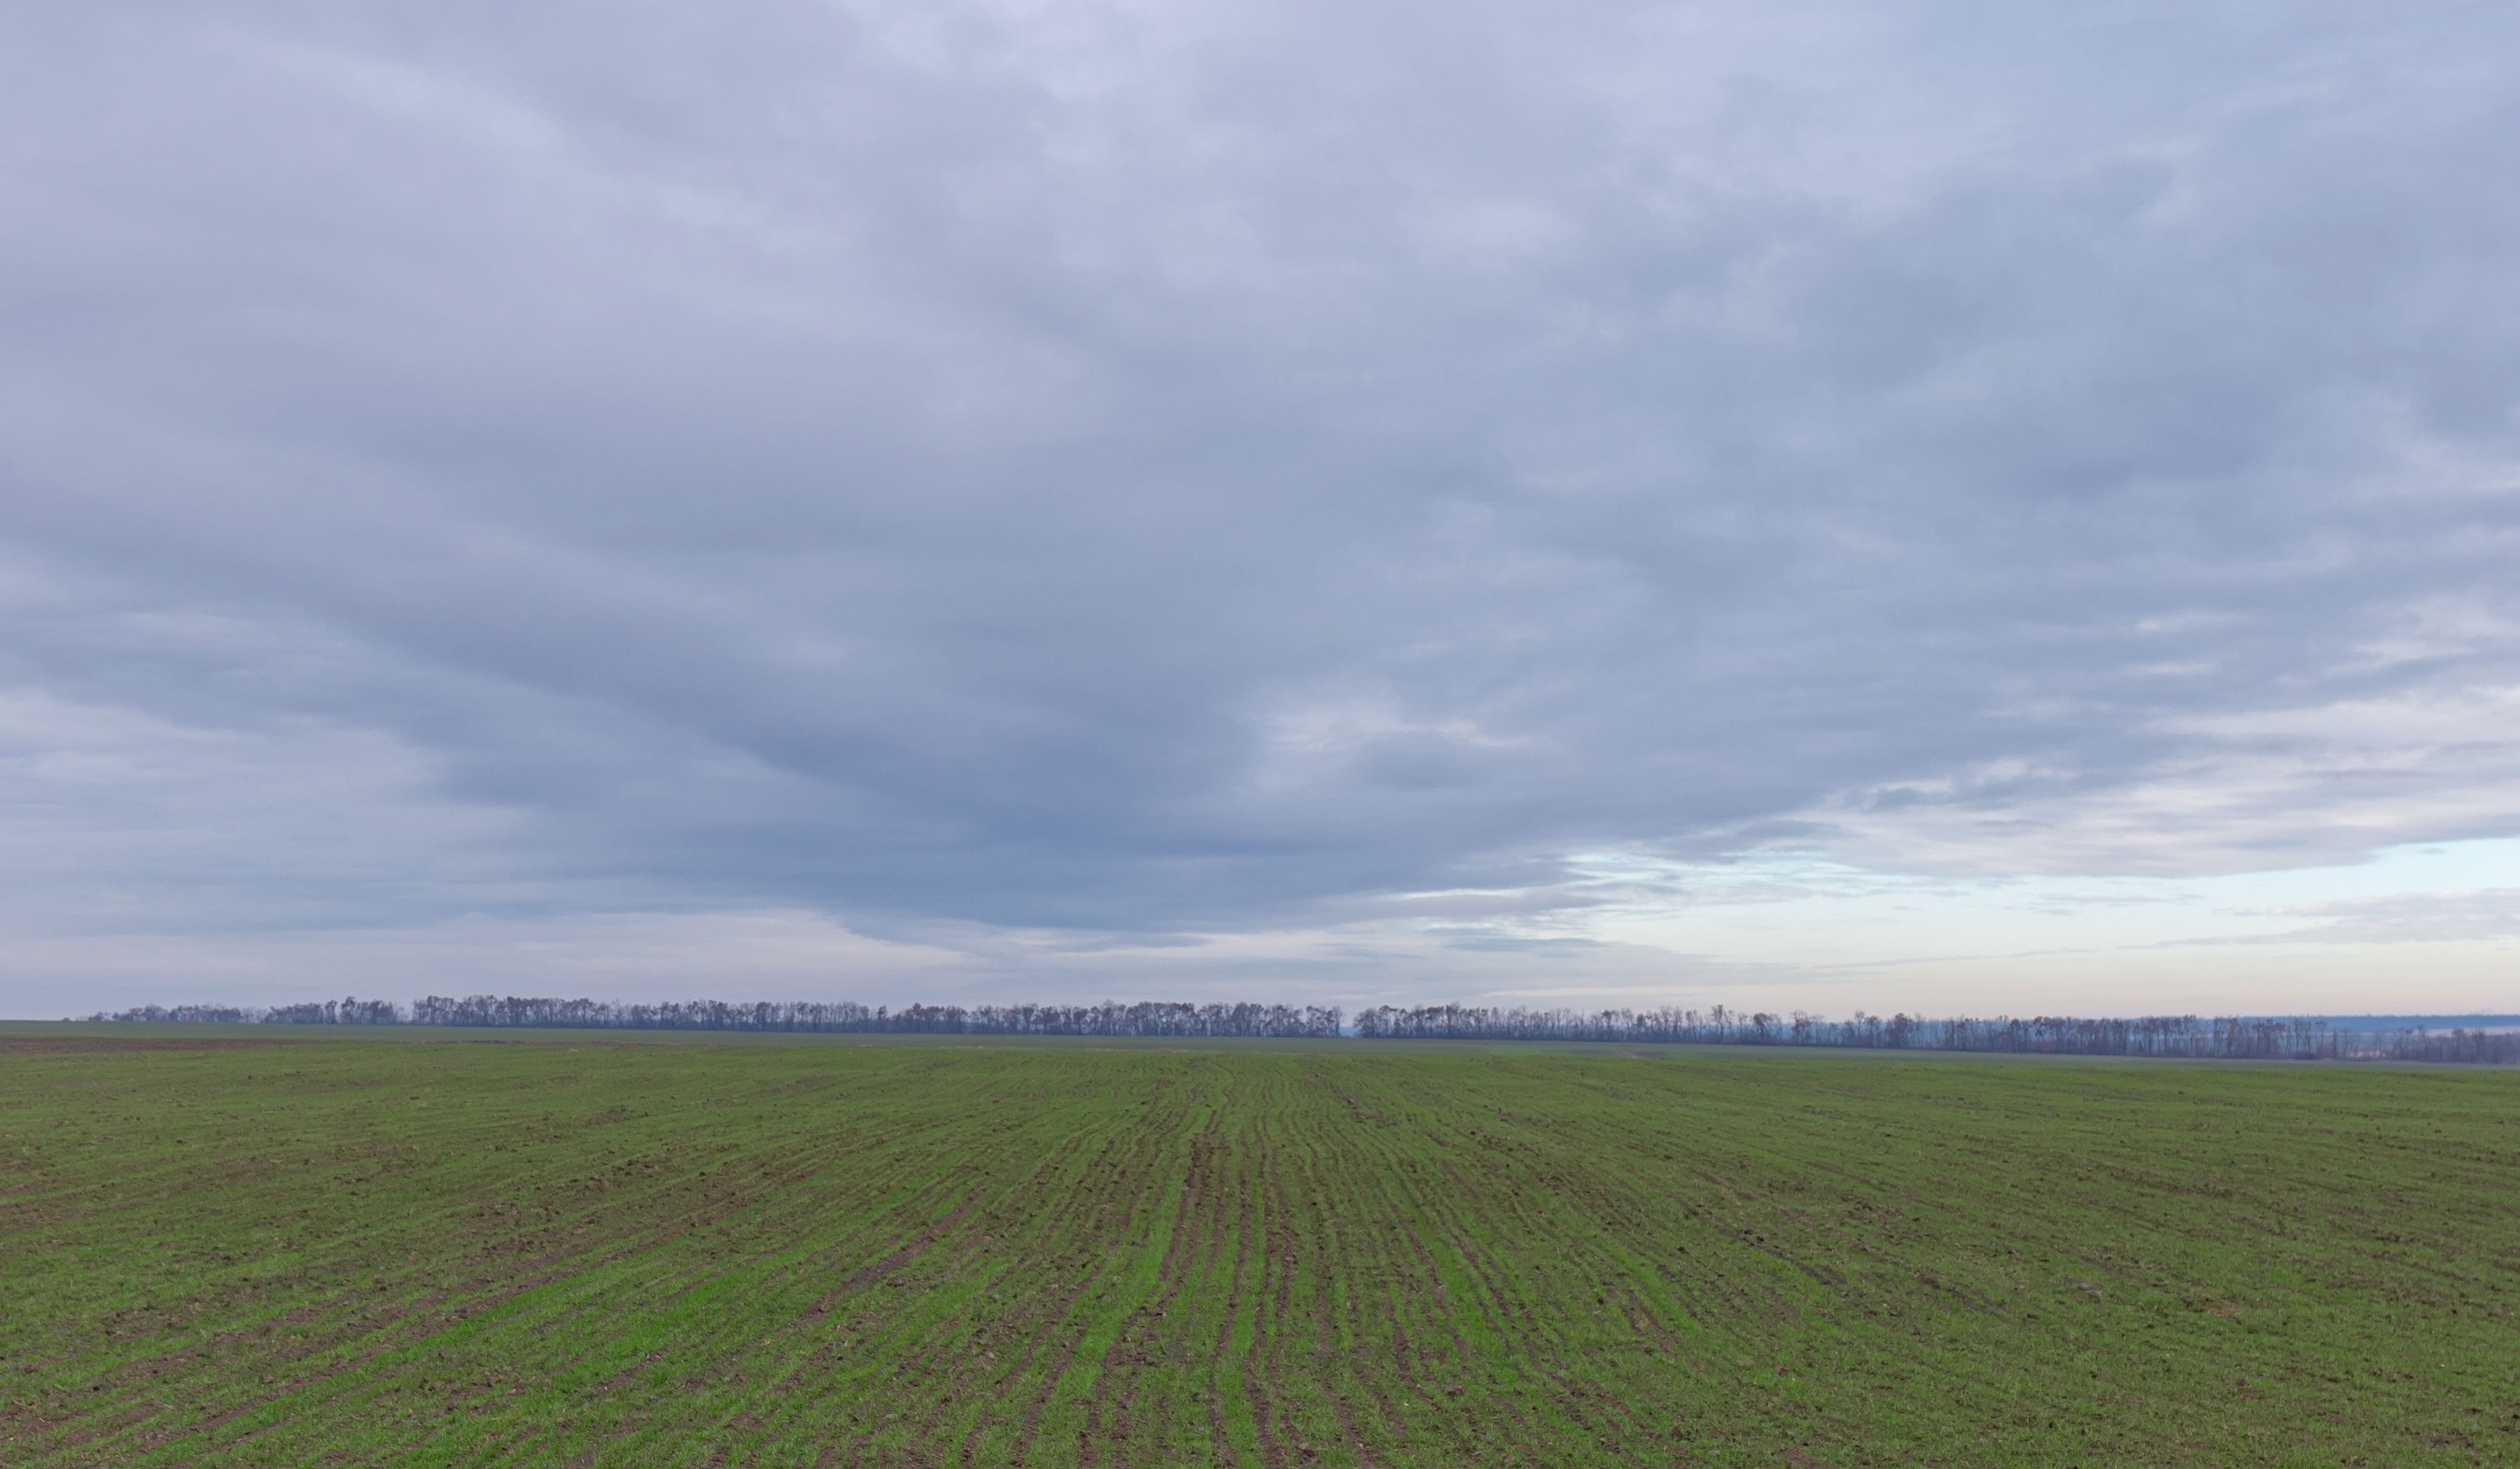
column 226, row 1249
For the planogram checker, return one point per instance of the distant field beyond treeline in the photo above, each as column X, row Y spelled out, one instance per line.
column 918, row 1252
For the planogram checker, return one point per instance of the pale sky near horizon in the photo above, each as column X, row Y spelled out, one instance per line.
column 1799, row 506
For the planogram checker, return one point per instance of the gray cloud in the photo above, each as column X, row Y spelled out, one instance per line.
column 2456, row 916
column 1129, row 472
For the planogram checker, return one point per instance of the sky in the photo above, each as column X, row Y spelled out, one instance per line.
column 1947, row 507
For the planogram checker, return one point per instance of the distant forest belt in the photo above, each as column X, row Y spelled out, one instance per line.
column 1334, row 1254
column 2228, row 1037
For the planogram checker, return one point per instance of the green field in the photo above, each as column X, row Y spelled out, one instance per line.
column 839, row 1253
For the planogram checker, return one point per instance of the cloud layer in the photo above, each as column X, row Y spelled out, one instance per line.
column 1124, row 472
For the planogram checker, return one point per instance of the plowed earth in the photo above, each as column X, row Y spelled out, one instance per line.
column 1001, row 1254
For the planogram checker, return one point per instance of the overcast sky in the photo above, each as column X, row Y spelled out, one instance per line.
column 1961, row 506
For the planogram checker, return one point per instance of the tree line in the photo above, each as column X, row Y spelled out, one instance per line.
column 1144, row 1019
column 2226, row 1038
